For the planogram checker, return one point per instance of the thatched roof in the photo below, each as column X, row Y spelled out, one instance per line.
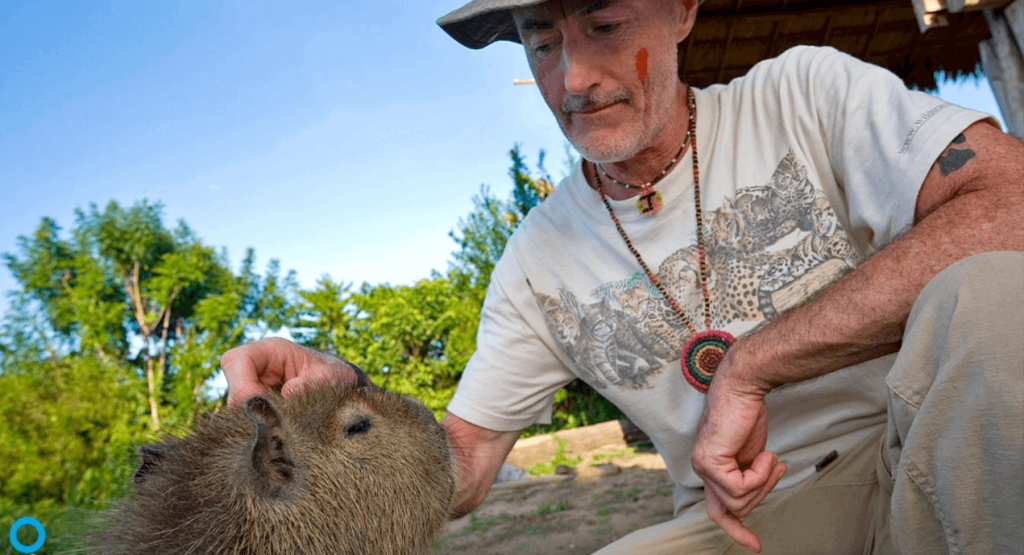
column 730, row 36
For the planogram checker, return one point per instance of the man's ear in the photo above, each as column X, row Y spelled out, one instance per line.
column 687, row 17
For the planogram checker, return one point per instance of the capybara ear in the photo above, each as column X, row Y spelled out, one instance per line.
column 362, row 380
column 150, row 455
column 272, row 464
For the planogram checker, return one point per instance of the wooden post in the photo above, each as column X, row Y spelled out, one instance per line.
column 1014, row 14
column 1003, row 64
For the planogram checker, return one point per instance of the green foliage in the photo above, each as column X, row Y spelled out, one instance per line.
column 626, row 453
column 413, row 339
column 112, row 336
column 541, row 469
column 576, row 405
column 68, row 429
column 483, row 234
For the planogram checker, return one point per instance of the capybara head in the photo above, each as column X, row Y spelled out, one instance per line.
column 338, row 469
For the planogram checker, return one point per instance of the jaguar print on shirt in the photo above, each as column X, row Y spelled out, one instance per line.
column 769, row 249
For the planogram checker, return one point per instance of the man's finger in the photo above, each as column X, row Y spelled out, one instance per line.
column 302, row 383
column 777, row 474
column 738, row 484
column 730, row 523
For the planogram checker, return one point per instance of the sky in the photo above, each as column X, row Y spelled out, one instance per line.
column 339, row 138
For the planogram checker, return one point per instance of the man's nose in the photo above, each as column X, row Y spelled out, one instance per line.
column 578, row 65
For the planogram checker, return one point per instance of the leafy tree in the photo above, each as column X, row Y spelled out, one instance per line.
column 143, row 297
column 114, row 332
column 483, row 234
column 411, row 339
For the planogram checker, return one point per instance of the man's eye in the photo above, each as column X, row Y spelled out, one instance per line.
column 605, row 29
column 542, row 49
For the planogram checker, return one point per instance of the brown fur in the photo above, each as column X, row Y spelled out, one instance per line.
column 340, row 470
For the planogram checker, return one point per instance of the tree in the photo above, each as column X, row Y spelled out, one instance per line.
column 483, row 234
column 112, row 336
column 140, row 296
column 410, row 339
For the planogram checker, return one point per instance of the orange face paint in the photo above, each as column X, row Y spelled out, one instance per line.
column 641, row 64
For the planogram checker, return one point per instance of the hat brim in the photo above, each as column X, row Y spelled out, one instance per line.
column 481, row 22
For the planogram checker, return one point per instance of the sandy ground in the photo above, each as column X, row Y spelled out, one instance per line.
column 613, row 491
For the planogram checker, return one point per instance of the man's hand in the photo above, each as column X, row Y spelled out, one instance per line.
column 729, row 453
column 252, row 369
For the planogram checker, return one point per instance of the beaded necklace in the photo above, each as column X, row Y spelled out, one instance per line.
column 706, row 349
column 649, row 202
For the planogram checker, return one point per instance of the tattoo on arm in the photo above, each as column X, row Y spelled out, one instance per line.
column 954, row 158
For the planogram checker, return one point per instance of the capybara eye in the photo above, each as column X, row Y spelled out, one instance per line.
column 361, row 426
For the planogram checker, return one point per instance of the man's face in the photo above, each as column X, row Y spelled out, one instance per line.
column 584, row 55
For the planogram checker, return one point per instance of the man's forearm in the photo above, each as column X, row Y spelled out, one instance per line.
column 478, row 454
column 862, row 316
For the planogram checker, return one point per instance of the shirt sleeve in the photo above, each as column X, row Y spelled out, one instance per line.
column 881, row 139
column 510, row 380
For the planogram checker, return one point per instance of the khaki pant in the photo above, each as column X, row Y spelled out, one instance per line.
column 946, row 475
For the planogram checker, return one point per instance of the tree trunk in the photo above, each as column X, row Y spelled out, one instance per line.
column 152, row 391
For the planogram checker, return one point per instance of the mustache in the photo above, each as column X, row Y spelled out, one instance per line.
column 577, row 103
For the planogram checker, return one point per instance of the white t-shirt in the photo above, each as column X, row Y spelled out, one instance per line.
column 808, row 164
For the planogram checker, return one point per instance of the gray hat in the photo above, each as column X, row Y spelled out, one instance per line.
column 481, row 22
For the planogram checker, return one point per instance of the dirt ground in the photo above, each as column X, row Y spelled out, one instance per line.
column 611, row 491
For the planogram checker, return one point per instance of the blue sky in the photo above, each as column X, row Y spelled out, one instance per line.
column 338, row 137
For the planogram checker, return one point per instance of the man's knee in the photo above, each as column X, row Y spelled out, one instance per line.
column 987, row 286
column 994, row 276
column 966, row 328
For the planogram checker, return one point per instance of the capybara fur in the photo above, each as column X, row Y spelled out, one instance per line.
column 335, row 470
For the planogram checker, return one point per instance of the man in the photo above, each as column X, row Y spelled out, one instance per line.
column 803, row 210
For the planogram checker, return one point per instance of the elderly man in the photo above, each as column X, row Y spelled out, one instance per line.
column 812, row 225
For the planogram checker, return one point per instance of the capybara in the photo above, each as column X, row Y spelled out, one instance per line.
column 337, row 469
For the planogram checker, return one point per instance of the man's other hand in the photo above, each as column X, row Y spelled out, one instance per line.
column 729, row 453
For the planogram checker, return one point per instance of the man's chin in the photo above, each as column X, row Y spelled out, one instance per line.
column 602, row 145
column 603, row 152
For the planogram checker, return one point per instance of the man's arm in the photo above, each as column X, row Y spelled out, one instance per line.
column 972, row 201
column 479, row 453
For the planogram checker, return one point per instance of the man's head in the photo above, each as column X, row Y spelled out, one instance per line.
column 606, row 68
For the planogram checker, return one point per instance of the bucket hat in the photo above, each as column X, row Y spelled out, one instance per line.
column 481, row 22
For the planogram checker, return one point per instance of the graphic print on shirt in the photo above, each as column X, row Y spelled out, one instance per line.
column 768, row 250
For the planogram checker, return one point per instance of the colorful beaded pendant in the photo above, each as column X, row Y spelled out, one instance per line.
column 705, row 350
column 649, row 203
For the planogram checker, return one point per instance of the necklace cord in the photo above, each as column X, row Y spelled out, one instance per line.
column 704, row 350
column 691, row 137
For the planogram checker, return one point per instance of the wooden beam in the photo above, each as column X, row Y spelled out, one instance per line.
column 874, row 33
column 688, row 46
column 759, row 17
column 828, row 29
column 777, row 29
column 957, row 6
column 930, row 14
column 725, row 51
